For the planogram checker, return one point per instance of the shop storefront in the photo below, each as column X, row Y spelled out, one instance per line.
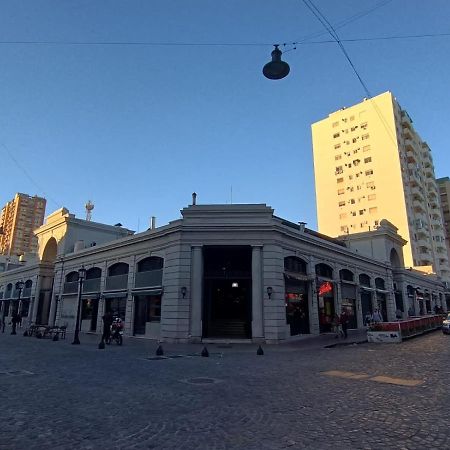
column 348, row 303
column 366, row 298
column 89, row 314
column 116, row 304
column 297, row 311
column 147, row 314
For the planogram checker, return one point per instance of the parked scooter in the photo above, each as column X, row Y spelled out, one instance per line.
column 116, row 334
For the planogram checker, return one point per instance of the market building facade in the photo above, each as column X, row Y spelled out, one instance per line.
column 222, row 272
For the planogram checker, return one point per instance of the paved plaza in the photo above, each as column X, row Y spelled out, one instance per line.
column 302, row 395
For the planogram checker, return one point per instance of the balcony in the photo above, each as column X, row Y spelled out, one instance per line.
column 116, row 282
column 406, row 120
column 150, row 278
column 423, row 243
column 418, row 206
column 417, row 193
column 70, row 287
column 409, row 145
column 92, row 285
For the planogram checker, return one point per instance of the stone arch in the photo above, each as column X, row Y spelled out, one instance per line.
column 50, row 250
column 394, row 258
column 119, row 268
column 324, row 270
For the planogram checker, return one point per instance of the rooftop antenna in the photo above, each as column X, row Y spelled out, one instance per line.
column 89, row 207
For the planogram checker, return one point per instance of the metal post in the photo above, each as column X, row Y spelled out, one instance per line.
column 81, row 275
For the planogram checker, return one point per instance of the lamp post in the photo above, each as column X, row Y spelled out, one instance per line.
column 81, row 277
column 19, row 287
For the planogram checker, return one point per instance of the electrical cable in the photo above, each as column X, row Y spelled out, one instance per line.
column 27, row 175
column 327, row 25
column 220, row 44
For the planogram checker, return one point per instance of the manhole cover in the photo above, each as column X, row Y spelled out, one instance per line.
column 201, row 380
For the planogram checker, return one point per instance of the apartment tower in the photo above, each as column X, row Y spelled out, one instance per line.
column 444, row 194
column 370, row 164
column 18, row 219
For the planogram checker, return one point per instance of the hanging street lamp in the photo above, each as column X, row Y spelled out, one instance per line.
column 276, row 69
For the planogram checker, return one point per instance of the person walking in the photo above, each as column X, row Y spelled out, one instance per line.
column 377, row 317
column 344, row 319
column 107, row 322
column 15, row 319
column 336, row 324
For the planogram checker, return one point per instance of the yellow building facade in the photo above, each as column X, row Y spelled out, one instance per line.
column 370, row 164
column 18, row 219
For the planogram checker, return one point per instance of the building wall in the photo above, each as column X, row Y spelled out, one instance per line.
column 18, row 219
column 370, row 164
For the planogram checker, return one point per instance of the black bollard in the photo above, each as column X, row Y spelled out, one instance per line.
column 159, row 351
column 205, row 352
column 260, row 351
column 25, row 333
column 56, row 337
column 101, row 346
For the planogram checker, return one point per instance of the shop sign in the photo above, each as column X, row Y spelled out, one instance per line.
column 325, row 288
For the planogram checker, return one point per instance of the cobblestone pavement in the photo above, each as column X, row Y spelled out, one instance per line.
column 57, row 396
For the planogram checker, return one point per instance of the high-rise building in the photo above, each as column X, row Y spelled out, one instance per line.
column 18, row 219
column 370, row 164
column 444, row 193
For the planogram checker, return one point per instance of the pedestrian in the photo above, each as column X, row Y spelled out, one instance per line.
column 368, row 319
column 410, row 312
column 343, row 319
column 19, row 319
column 107, row 322
column 399, row 314
column 14, row 321
column 336, row 326
column 377, row 317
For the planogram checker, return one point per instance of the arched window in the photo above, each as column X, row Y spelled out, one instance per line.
column 28, row 284
column 294, row 264
column 346, row 275
column 149, row 272
column 379, row 283
column 71, row 277
column 9, row 287
column 118, row 269
column 364, row 280
column 324, row 270
column 151, row 263
column 93, row 273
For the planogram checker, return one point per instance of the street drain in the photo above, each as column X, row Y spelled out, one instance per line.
column 201, row 380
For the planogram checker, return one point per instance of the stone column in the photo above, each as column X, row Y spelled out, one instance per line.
column 257, row 294
column 51, row 315
column 314, row 326
column 196, row 293
column 34, row 309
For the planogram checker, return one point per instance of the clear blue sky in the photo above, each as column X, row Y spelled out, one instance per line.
column 137, row 129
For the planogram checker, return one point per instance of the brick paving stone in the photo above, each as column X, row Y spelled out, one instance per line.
column 65, row 396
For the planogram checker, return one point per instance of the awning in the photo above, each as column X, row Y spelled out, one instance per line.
column 156, row 291
column 115, row 294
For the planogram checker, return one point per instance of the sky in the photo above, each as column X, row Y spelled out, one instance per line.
column 137, row 128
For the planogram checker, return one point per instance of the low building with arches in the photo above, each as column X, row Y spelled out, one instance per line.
column 229, row 272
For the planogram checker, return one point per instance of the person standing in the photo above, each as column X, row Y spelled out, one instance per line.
column 107, row 322
column 344, row 319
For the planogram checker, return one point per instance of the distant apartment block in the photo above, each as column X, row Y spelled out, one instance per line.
column 444, row 193
column 370, row 164
column 18, row 219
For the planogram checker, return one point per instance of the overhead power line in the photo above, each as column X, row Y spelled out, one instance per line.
column 220, row 44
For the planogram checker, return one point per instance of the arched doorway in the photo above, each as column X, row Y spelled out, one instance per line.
column 296, row 295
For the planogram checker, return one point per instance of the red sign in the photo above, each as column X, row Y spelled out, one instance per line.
column 325, row 287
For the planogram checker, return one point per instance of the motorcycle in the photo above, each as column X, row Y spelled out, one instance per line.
column 116, row 334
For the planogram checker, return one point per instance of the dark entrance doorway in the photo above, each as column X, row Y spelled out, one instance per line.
column 227, row 292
